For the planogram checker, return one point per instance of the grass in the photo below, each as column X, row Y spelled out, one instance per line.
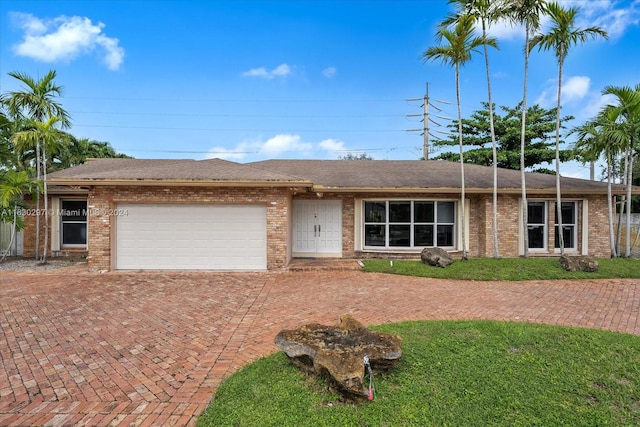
column 507, row 269
column 470, row 373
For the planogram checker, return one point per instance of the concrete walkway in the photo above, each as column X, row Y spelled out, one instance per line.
column 79, row 348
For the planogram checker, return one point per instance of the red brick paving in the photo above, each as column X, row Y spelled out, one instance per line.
column 79, row 348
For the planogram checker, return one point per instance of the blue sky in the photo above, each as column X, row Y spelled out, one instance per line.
column 252, row 80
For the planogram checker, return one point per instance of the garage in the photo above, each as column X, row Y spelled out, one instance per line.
column 190, row 237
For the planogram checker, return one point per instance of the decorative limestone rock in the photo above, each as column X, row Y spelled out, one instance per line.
column 436, row 257
column 338, row 352
column 579, row 263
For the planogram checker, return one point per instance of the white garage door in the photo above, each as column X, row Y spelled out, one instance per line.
column 191, row 237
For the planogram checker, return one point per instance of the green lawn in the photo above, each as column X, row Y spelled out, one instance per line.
column 506, row 269
column 471, row 373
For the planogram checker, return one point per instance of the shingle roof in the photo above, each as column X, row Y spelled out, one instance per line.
column 421, row 174
column 213, row 170
column 321, row 175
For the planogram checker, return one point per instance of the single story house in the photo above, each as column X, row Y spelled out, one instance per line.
column 133, row 214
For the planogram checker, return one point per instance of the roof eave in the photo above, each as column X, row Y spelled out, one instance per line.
column 178, row 183
column 67, row 190
column 440, row 190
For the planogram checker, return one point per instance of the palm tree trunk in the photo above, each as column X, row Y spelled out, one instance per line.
column 621, row 203
column 523, row 128
column 462, row 186
column 558, row 194
column 46, row 205
column 612, row 241
column 496, row 252
column 37, row 256
column 627, row 246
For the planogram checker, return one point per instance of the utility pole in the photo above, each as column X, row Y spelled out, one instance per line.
column 425, row 132
column 425, row 119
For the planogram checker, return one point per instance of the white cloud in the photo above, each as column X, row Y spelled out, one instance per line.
column 505, row 30
column 595, row 104
column 285, row 143
column 282, row 70
column 574, row 89
column 279, row 146
column 608, row 15
column 612, row 16
column 257, row 72
column 547, row 98
column 237, row 153
column 329, row 72
column 332, row 145
column 64, row 39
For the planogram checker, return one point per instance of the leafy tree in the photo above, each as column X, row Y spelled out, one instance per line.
column 354, row 156
column 527, row 13
column 560, row 38
column 77, row 151
column 459, row 43
column 537, row 149
column 13, row 185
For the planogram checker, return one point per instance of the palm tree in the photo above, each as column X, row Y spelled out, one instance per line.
column 592, row 142
column 562, row 35
column 13, row 185
column 37, row 102
column 6, row 153
column 527, row 13
column 486, row 12
column 51, row 139
column 626, row 137
column 460, row 43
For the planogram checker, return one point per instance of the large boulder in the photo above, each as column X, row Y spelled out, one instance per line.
column 338, row 352
column 579, row 263
column 436, row 257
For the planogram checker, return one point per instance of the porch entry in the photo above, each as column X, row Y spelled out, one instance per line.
column 317, row 228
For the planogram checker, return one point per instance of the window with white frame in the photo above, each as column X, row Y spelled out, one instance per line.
column 569, row 225
column 73, row 219
column 537, row 225
column 409, row 223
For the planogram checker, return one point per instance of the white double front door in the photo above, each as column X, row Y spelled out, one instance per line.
column 317, row 228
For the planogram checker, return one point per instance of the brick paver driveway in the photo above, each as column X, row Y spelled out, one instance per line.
column 151, row 348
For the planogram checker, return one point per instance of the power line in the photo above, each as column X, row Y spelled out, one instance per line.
column 258, row 152
column 293, row 116
column 237, row 129
column 237, row 100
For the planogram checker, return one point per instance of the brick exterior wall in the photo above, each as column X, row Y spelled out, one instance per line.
column 29, row 235
column 480, row 230
column 599, row 244
column 103, row 199
column 29, row 239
